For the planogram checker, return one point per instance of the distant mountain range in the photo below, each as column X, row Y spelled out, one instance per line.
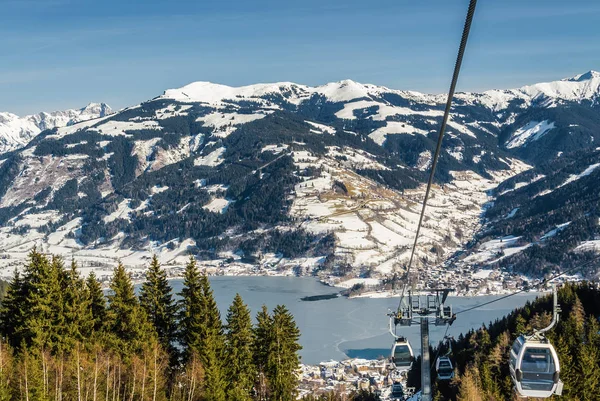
column 322, row 179
column 16, row 132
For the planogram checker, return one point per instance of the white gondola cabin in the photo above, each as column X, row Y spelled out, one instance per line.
column 444, row 368
column 535, row 368
column 402, row 354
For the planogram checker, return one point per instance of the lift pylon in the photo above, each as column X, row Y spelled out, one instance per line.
column 430, row 306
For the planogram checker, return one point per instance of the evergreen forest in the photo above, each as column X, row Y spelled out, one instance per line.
column 67, row 338
column 481, row 357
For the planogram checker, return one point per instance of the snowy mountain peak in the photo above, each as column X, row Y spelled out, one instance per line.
column 584, row 86
column 97, row 109
column 208, row 92
column 17, row 131
column 581, row 87
column 346, row 90
column 584, row 77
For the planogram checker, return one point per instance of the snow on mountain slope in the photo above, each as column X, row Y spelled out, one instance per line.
column 222, row 172
column 584, row 173
column 342, row 91
column 577, row 89
column 375, row 226
column 530, row 132
column 16, row 131
column 393, row 127
column 208, row 92
column 580, row 87
column 225, row 123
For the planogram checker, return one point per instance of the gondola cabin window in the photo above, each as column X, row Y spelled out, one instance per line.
column 516, row 348
column 538, row 369
column 402, row 353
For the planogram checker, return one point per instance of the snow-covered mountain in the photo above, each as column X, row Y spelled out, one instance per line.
column 545, row 217
column 327, row 178
column 15, row 131
column 578, row 88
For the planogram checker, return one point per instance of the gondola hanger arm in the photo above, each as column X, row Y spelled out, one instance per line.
column 555, row 315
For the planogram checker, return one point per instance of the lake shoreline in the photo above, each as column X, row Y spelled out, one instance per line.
column 374, row 294
column 333, row 328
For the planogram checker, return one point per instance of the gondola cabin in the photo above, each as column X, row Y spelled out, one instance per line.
column 444, row 368
column 534, row 368
column 402, row 354
column 397, row 391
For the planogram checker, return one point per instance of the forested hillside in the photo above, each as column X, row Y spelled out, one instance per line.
column 548, row 216
column 63, row 338
column 481, row 357
column 315, row 180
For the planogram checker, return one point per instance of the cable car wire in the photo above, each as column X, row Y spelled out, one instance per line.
column 459, row 59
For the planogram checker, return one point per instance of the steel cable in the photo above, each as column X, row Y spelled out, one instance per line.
column 457, row 65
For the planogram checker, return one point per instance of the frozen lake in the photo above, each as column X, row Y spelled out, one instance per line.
column 339, row 328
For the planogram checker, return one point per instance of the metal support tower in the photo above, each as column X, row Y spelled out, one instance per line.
column 429, row 307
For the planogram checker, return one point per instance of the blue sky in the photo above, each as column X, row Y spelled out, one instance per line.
column 59, row 54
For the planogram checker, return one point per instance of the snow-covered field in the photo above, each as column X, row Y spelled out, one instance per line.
column 586, row 172
column 532, row 131
column 495, row 250
column 213, row 159
column 375, row 227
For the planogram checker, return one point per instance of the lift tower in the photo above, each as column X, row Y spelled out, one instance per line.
column 428, row 307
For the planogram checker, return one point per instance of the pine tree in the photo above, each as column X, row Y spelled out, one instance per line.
column 520, row 326
column 126, row 320
column 191, row 311
column 239, row 345
column 567, row 370
column 488, row 384
column 262, row 334
column 58, row 283
column 498, row 354
column 575, row 325
column 157, row 301
column 77, row 311
column 588, row 380
column 12, row 311
column 469, row 389
column 592, row 332
column 31, row 383
column 97, row 302
column 283, row 360
column 213, row 345
column 43, row 319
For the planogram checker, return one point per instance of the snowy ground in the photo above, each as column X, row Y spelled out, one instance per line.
column 374, row 226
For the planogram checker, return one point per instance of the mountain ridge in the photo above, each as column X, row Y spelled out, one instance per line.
column 17, row 131
column 355, row 90
column 318, row 180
